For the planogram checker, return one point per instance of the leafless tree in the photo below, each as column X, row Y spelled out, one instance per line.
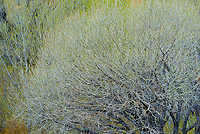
column 114, row 73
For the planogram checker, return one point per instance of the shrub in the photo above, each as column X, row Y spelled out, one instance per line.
column 22, row 26
column 117, row 69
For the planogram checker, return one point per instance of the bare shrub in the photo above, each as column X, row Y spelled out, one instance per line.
column 117, row 70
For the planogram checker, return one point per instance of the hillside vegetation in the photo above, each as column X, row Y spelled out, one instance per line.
column 23, row 23
column 117, row 67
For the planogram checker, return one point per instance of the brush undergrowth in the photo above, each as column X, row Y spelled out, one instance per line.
column 96, row 59
column 21, row 37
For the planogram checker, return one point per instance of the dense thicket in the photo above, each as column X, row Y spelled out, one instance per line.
column 23, row 23
column 118, row 69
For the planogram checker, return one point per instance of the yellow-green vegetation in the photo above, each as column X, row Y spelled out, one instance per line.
column 8, row 92
column 117, row 68
column 95, row 62
column 14, row 127
column 21, row 37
